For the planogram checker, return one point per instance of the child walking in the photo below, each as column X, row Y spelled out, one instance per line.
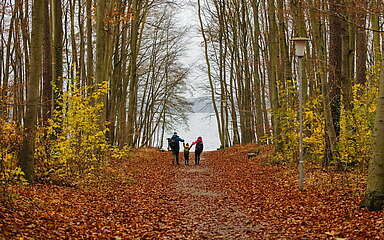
column 186, row 153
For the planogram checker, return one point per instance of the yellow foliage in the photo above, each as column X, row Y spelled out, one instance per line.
column 313, row 126
column 119, row 154
column 355, row 144
column 356, row 126
column 313, row 137
column 10, row 141
column 75, row 137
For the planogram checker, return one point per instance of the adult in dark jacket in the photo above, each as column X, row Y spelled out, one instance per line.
column 198, row 149
column 176, row 148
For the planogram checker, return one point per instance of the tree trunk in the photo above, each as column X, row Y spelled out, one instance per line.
column 57, row 51
column 284, row 71
column 247, row 133
column 90, row 73
column 235, row 127
column 347, row 55
column 375, row 23
column 26, row 46
column 222, row 73
column 273, row 52
column 30, row 120
column 335, row 60
column 374, row 198
column 5, row 78
column 74, row 64
column 47, row 66
column 361, row 47
column 132, row 107
column 260, row 131
column 100, row 40
column 81, row 67
column 123, row 97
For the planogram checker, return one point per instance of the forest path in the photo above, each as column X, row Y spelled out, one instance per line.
column 206, row 211
column 228, row 196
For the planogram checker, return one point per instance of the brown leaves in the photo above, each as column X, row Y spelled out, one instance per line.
column 228, row 196
column 329, row 203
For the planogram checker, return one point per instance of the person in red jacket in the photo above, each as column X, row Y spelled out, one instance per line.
column 198, row 149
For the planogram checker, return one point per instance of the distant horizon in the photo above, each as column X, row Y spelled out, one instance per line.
column 202, row 104
column 208, row 131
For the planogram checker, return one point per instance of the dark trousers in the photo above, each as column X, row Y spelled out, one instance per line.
column 197, row 158
column 186, row 158
column 175, row 157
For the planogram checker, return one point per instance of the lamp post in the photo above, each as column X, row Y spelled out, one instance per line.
column 300, row 44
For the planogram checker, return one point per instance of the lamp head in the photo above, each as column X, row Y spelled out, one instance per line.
column 300, row 43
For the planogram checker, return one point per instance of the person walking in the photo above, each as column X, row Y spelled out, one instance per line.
column 198, row 149
column 186, row 153
column 173, row 143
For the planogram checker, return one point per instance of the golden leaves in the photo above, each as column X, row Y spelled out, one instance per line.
column 77, row 144
column 10, row 140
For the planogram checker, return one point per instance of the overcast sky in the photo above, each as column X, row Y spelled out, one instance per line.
column 187, row 16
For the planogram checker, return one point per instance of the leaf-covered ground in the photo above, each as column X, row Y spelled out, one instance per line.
column 227, row 197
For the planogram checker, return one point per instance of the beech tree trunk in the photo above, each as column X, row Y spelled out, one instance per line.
column 247, row 132
column 374, row 198
column 100, row 40
column 273, row 80
column 30, row 120
column 47, row 66
column 260, row 131
column 347, row 57
column 335, row 61
column 90, row 71
column 361, row 47
column 132, row 107
column 57, row 51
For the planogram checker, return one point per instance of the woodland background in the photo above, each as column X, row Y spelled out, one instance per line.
column 84, row 79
